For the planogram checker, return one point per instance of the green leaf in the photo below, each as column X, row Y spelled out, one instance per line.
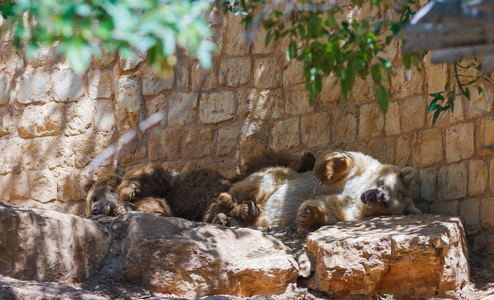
column 382, row 97
column 467, row 93
column 318, row 82
column 268, row 38
column 344, row 89
column 407, row 60
column 332, row 20
column 78, row 54
column 291, row 51
column 436, row 115
column 376, row 73
column 480, row 90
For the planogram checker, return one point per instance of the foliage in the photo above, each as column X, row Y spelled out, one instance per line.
column 349, row 49
column 81, row 28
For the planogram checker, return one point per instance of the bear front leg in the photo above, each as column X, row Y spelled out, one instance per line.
column 311, row 215
column 248, row 211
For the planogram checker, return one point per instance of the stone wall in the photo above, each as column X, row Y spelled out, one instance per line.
column 53, row 122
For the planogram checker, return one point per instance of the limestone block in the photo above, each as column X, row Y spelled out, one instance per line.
column 104, row 116
column 422, row 255
column 42, row 120
column 49, row 246
column 129, row 102
column 153, row 85
column 436, row 76
column 159, row 104
column 297, row 102
column 478, row 174
column 10, row 60
column 203, row 79
column 44, row 56
column 89, row 145
column 364, row 90
column 165, row 143
column 486, row 215
column 403, row 150
column 245, row 98
column 392, row 124
column 479, row 104
column 428, row 181
column 267, row 104
column 133, row 153
column 406, row 82
column 383, row 149
column 215, row 16
column 470, row 213
column 183, row 109
column 483, row 245
column 226, row 140
column 457, row 115
column 6, row 121
column 197, row 142
column 459, row 142
column 449, row 208
column 172, row 139
column 182, row 76
column 156, row 145
column 127, row 65
column 32, row 87
column 67, row 86
column 267, row 72
column 198, row 259
column 69, row 187
column 491, row 174
column 413, row 112
column 48, row 152
column 285, row 134
column 13, row 156
column 344, row 126
column 100, row 83
column 235, row 72
column 235, row 43
column 452, row 181
column 105, row 59
column 5, row 89
column 255, row 137
column 43, row 185
column 14, row 186
column 371, row 121
column 293, row 73
column 79, row 117
column 331, row 90
column 315, row 130
column 485, row 135
column 427, row 148
column 217, row 107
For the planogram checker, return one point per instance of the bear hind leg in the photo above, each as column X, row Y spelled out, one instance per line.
column 313, row 214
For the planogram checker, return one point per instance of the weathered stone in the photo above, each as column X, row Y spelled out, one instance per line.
column 483, row 245
column 293, row 73
column 486, row 216
column 235, row 43
column 43, row 185
column 436, row 76
column 406, row 82
column 172, row 140
column 41, row 121
column 14, row 186
column 226, row 140
column 331, row 90
column 459, row 142
column 344, row 127
column 11, row 61
column 159, row 105
column 297, row 102
column 153, row 85
column 182, row 109
column 285, row 134
column 79, row 117
column 130, row 105
column 392, row 119
column 449, row 208
column 413, row 114
column 127, row 65
column 426, row 257
column 235, row 72
column 5, row 89
column 403, row 150
column 217, row 107
column 105, row 59
column 49, row 246
column 104, row 116
column 358, row 146
column 457, row 115
column 67, row 86
column 89, row 145
column 477, row 177
column 259, row 44
column 13, row 156
column 197, row 142
column 197, row 259
column 244, row 98
column 371, row 121
column 55, row 151
column 427, row 148
column 485, row 135
column 478, row 105
column 32, row 87
column 6, row 121
column 428, row 183
column 383, row 149
column 452, row 181
column 215, row 16
column 255, row 137
column 182, row 76
column 363, row 91
column 133, row 153
column 267, row 104
column 267, row 73
column 100, row 84
column 470, row 213
column 316, row 130
column 203, row 79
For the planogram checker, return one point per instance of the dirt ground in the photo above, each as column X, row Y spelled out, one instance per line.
column 104, row 287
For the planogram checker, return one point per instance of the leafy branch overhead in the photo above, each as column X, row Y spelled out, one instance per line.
column 81, row 28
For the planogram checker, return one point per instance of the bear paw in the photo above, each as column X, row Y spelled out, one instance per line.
column 310, row 216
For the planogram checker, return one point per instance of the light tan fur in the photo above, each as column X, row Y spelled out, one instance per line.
column 332, row 192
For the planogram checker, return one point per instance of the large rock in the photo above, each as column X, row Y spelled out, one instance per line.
column 421, row 256
column 188, row 259
column 49, row 246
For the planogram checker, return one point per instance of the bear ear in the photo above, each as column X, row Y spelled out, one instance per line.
column 412, row 210
column 407, row 174
column 88, row 184
column 334, row 168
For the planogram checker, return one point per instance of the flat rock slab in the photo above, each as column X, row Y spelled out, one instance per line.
column 409, row 257
column 38, row 244
column 172, row 255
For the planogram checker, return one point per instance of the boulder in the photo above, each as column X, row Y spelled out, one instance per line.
column 188, row 259
column 46, row 245
column 422, row 256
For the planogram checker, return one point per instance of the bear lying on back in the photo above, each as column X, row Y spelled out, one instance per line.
column 346, row 186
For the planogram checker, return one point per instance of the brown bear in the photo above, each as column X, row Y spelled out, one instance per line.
column 346, row 186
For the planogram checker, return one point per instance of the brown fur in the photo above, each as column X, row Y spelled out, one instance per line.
column 102, row 198
column 346, row 186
